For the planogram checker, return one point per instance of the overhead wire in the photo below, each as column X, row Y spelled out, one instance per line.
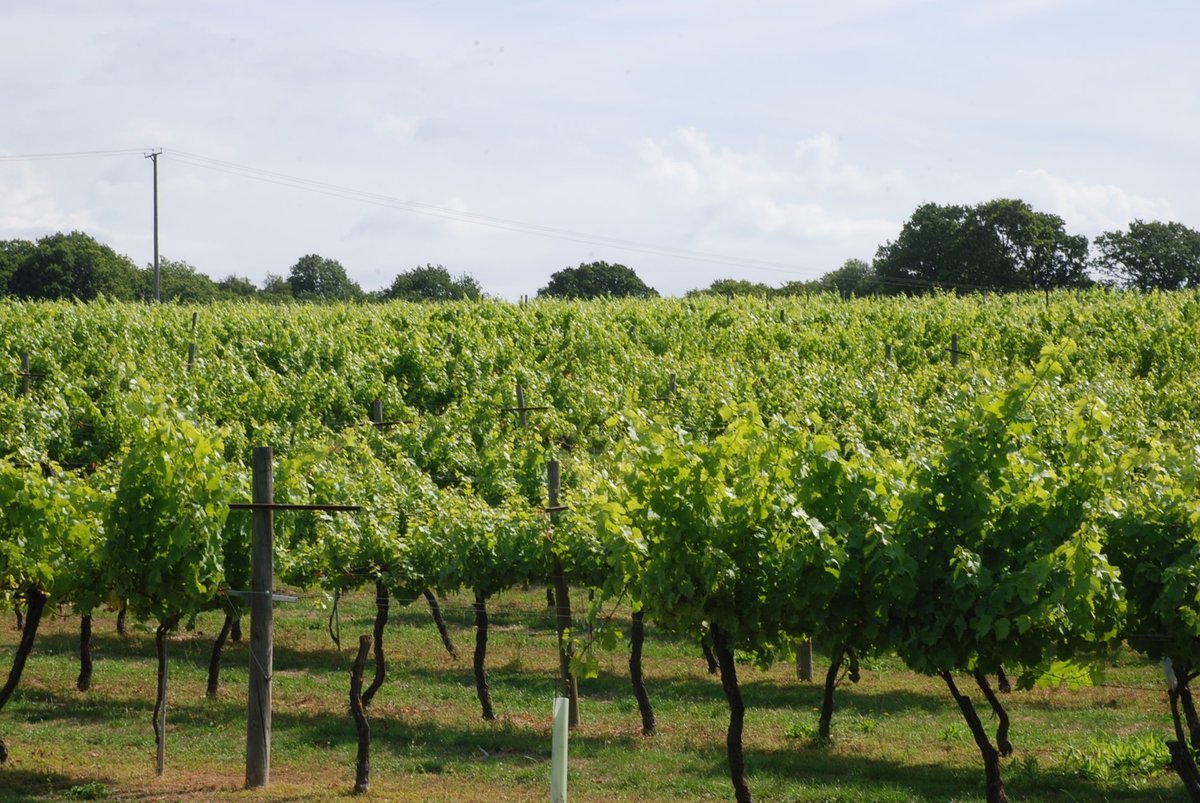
column 35, row 157
column 461, row 216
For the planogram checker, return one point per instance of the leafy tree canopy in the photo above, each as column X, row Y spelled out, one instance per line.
column 596, row 279
column 236, row 287
column 854, row 278
column 431, row 283
column 72, row 266
column 733, row 287
column 179, row 281
column 1000, row 244
column 12, row 254
column 316, row 278
column 276, row 288
column 1151, row 255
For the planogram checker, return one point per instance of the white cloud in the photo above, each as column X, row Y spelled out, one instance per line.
column 745, row 192
column 821, row 166
column 30, row 210
column 1092, row 207
column 810, row 220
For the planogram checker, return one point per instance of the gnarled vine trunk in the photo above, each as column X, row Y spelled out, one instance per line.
column 481, row 638
column 993, row 785
column 160, row 700
column 637, row 638
column 1184, row 684
column 382, row 606
column 84, row 681
column 436, row 611
column 362, row 764
column 825, row 723
column 214, row 660
column 1002, row 742
column 713, row 666
column 737, row 715
column 1181, row 757
column 35, row 603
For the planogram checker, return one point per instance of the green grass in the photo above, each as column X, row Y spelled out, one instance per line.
column 896, row 736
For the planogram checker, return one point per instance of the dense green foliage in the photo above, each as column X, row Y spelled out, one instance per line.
column 318, row 278
column 596, row 280
column 1151, row 255
column 999, row 245
column 69, row 266
column 751, row 472
column 431, row 283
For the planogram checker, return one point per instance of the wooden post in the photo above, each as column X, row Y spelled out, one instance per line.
column 377, row 412
column 522, row 413
column 262, row 569
column 671, row 386
column 563, row 603
column 24, row 373
column 954, row 349
column 887, row 353
column 804, row 661
column 191, row 355
column 194, row 316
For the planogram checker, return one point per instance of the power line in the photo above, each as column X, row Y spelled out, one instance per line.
column 504, row 224
column 461, row 216
column 34, row 157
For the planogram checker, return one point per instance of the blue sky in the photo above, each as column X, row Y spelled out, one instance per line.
column 691, row 141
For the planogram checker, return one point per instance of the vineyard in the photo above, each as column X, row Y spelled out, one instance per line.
column 987, row 492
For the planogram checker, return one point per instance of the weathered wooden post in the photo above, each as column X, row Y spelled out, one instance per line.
column 262, row 628
column 804, row 661
column 522, row 410
column 262, row 600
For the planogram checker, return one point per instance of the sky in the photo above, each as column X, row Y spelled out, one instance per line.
column 692, row 141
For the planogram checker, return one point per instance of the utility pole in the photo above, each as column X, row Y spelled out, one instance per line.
column 153, row 157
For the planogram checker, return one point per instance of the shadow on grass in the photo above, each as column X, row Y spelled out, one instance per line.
column 20, row 785
column 878, row 779
column 417, row 744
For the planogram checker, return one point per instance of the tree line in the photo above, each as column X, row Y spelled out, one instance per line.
column 1000, row 245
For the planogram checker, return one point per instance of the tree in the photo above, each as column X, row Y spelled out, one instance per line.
column 431, row 283
column 179, row 281
column 12, row 254
column 236, row 287
column 316, row 278
column 74, row 266
column 1000, row 244
column 1151, row 255
column 276, row 288
column 733, row 287
column 854, row 278
column 596, row 279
